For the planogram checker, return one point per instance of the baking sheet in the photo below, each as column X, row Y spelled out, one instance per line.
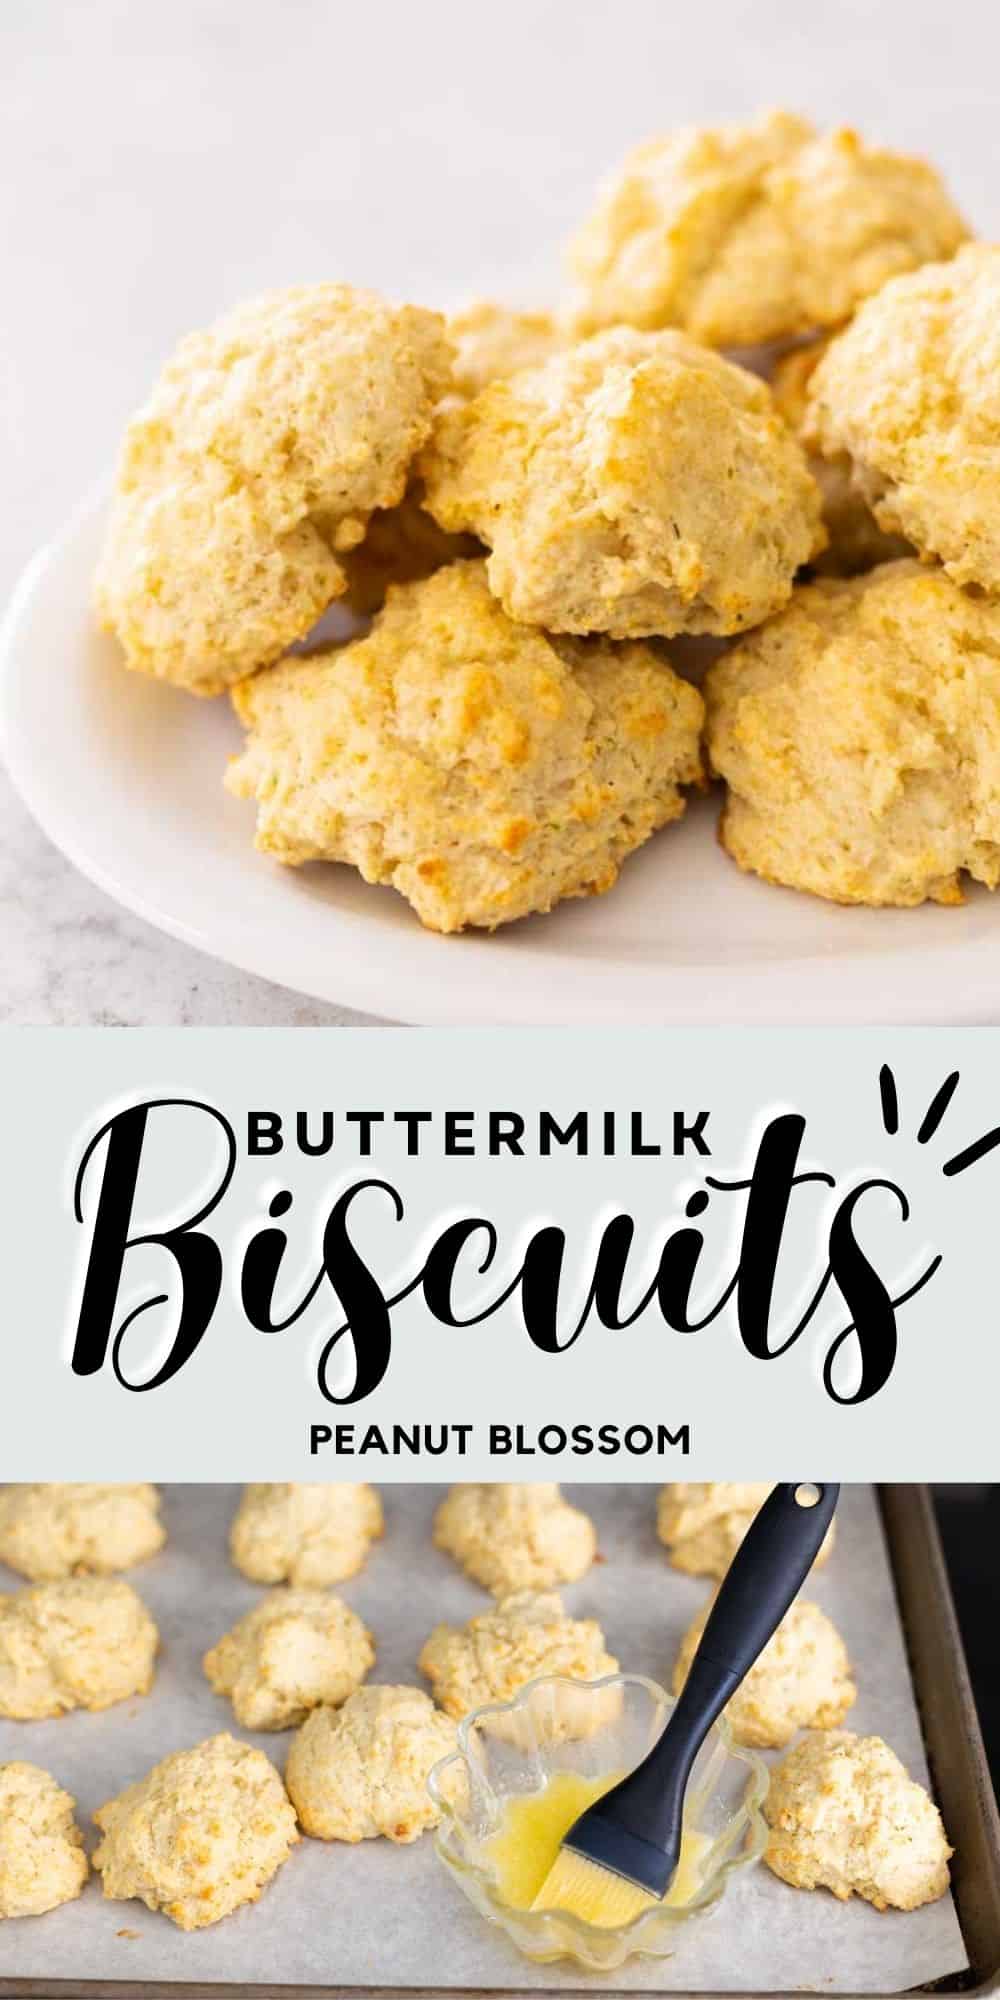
column 378, row 1916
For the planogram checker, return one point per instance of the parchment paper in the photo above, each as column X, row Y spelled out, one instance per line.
column 374, row 1915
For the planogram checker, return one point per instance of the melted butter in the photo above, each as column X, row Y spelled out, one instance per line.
column 532, row 1828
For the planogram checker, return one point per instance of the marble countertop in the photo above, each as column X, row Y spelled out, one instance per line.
column 158, row 163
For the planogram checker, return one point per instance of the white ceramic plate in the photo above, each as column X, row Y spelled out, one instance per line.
column 125, row 777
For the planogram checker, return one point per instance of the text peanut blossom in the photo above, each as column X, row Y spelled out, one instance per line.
column 860, row 1304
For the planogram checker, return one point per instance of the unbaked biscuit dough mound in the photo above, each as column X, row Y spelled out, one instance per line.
column 703, row 1523
column 802, row 1679
column 911, row 394
column 526, row 1634
column 512, row 1538
column 635, row 485
column 362, row 1772
column 745, row 234
column 859, row 736
column 856, row 542
column 201, row 1834
column 83, row 1642
column 309, row 1536
column 482, row 769
column 265, row 446
column 42, row 1859
column 845, row 1816
column 493, row 341
column 401, row 545
column 53, row 1531
column 295, row 1649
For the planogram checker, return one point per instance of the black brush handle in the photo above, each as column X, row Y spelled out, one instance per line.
column 770, row 1565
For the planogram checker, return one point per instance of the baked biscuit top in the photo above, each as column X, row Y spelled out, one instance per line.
column 845, row 1816
column 859, row 737
column 361, row 1772
column 292, row 1651
column 307, row 1535
column 515, row 1537
column 637, row 484
column 200, row 1835
column 42, row 1858
column 909, row 393
column 49, row 1531
column 745, row 234
column 266, row 444
column 526, row 1634
column 481, row 768
column 80, row 1642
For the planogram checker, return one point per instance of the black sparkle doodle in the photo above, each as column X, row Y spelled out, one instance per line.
column 968, row 1156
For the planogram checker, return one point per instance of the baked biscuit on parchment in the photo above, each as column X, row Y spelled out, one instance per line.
column 483, row 769
column 265, row 446
column 801, row 1680
column 745, row 234
column 42, row 1859
column 525, row 1635
column 515, row 1537
column 362, row 1771
column 845, row 1816
column 859, row 736
column 56, row 1530
column 81, row 1642
column 635, row 485
column 703, row 1523
column 309, row 1536
column 909, row 395
column 201, row 1834
column 294, row 1650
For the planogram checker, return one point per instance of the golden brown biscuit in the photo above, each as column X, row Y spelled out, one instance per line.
column 295, row 1649
column 42, row 1862
column 52, row 1531
column 513, row 1538
column 909, row 394
column 855, row 540
column 493, row 341
column 403, row 544
column 802, row 1679
column 637, row 484
column 201, row 1834
column 363, row 1771
column 859, row 736
column 745, row 234
column 83, row 1642
column 309, row 1536
column 845, row 1816
column 482, row 769
column 491, row 1657
column 265, row 446
column 703, row 1523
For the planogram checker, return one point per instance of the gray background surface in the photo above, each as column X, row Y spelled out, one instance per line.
column 374, row 1914
column 159, row 163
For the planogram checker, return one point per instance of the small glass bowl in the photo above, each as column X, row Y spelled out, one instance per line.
column 591, row 1727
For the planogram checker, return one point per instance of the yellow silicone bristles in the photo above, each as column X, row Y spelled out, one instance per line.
column 592, row 1893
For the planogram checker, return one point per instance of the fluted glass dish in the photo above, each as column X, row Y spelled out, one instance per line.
column 592, row 1728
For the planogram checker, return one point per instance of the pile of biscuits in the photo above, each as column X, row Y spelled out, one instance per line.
column 526, row 508
column 206, row 1829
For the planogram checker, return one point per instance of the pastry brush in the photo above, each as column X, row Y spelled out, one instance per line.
column 621, row 1855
